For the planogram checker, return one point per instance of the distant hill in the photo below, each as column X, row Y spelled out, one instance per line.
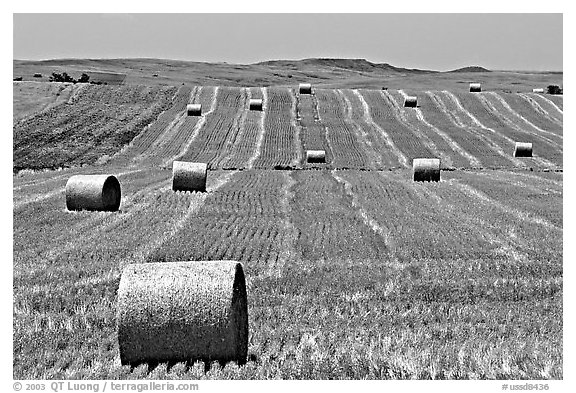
column 361, row 65
column 471, row 69
column 327, row 73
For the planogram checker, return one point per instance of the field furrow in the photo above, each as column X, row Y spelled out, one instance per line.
column 545, row 154
column 498, row 106
column 347, row 150
column 221, row 128
column 69, row 305
column 312, row 130
column 439, row 143
column 191, row 127
column 407, row 145
column 549, row 106
column 330, row 229
column 241, row 221
column 538, row 106
column 281, row 145
column 247, row 147
column 141, row 147
column 529, row 115
column 481, row 142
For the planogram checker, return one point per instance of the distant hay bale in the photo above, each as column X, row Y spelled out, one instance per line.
column 305, row 88
column 93, row 192
column 37, row 75
column 538, row 90
column 255, row 104
column 182, row 311
column 194, row 109
column 523, row 149
column 410, row 102
column 316, row 156
column 189, row 176
column 426, row 169
column 475, row 87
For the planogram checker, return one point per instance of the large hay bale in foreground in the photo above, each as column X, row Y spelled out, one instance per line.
column 523, row 149
column 305, row 88
column 93, row 192
column 426, row 169
column 255, row 104
column 182, row 311
column 194, row 109
column 410, row 102
column 316, row 156
column 475, row 87
column 538, row 90
column 189, row 176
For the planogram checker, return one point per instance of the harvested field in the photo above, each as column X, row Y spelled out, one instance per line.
column 353, row 270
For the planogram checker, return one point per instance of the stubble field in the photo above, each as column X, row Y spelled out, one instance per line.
column 353, row 270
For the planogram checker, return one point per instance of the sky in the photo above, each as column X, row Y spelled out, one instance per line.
column 439, row 41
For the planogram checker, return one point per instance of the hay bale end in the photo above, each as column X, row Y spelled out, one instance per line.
column 475, row 87
column 93, row 192
column 182, row 311
column 255, row 104
column 305, row 88
column 316, row 156
column 426, row 169
column 194, row 109
column 189, row 176
column 410, row 102
column 523, row 149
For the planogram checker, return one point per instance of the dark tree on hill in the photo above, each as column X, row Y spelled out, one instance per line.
column 84, row 78
column 63, row 77
column 68, row 78
column 554, row 89
column 55, row 77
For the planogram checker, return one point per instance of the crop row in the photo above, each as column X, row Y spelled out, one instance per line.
column 280, row 146
column 340, row 250
column 99, row 121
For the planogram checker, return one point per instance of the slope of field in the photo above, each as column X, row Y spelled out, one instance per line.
column 351, row 274
column 358, row 129
column 93, row 124
column 353, row 270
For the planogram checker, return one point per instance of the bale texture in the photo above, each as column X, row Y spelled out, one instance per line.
column 189, row 176
column 182, row 311
column 194, row 109
column 410, row 102
column 475, row 87
column 305, row 88
column 93, row 192
column 539, row 90
column 426, row 169
column 255, row 104
column 523, row 149
column 316, row 156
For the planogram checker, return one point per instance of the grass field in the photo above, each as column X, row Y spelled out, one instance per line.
column 353, row 270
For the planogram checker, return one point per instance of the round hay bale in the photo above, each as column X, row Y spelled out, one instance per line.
column 475, row 87
column 426, row 169
column 316, row 156
column 255, row 104
column 182, row 311
column 305, row 88
column 37, row 75
column 539, row 90
column 410, row 102
column 93, row 192
column 189, row 176
column 523, row 149
column 194, row 109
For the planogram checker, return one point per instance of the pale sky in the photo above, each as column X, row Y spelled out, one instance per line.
column 427, row 41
